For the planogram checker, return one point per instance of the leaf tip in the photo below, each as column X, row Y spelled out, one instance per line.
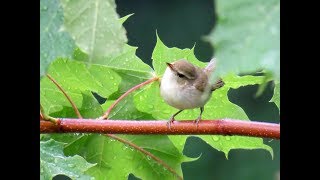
column 159, row 42
column 270, row 150
column 189, row 159
column 226, row 153
column 194, row 45
column 157, row 35
column 125, row 18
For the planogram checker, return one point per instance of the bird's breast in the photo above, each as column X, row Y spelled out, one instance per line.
column 182, row 96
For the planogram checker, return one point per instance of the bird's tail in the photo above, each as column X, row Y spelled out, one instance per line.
column 211, row 66
column 209, row 70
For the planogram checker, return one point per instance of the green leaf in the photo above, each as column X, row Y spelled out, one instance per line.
column 116, row 160
column 89, row 109
column 149, row 100
column 128, row 66
column 90, row 106
column 276, row 94
column 53, row 162
column 245, row 42
column 267, row 78
column 131, row 68
column 95, row 27
column 124, row 62
column 125, row 109
column 53, row 41
column 80, row 55
column 127, row 62
column 75, row 78
column 227, row 143
column 235, row 82
column 163, row 54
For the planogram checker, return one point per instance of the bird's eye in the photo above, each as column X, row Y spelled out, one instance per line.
column 180, row 75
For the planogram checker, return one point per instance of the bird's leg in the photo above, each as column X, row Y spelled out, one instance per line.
column 199, row 118
column 172, row 118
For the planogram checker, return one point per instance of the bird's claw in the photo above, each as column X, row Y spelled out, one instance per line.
column 197, row 121
column 169, row 122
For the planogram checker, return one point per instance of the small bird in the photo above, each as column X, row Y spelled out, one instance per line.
column 186, row 86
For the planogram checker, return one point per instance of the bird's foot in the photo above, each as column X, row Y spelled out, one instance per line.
column 169, row 122
column 197, row 121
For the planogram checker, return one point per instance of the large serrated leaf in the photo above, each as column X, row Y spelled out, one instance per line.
column 75, row 78
column 95, row 27
column 116, row 160
column 53, row 162
column 245, row 42
column 53, row 42
column 129, row 67
column 125, row 61
column 162, row 54
column 149, row 100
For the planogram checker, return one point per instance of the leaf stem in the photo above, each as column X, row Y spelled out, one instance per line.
column 44, row 116
column 217, row 127
column 66, row 95
column 106, row 114
column 158, row 160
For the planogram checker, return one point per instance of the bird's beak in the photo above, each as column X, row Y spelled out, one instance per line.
column 170, row 65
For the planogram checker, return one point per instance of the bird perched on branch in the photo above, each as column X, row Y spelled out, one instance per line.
column 186, row 86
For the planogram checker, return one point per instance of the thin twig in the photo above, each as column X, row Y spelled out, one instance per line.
column 146, row 153
column 218, row 127
column 66, row 95
column 106, row 114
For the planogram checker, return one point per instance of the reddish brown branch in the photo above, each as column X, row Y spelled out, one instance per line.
column 221, row 127
column 146, row 153
column 66, row 95
column 106, row 114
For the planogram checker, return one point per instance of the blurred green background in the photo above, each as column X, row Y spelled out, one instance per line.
column 182, row 24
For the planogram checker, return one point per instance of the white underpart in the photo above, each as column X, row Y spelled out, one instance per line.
column 179, row 96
